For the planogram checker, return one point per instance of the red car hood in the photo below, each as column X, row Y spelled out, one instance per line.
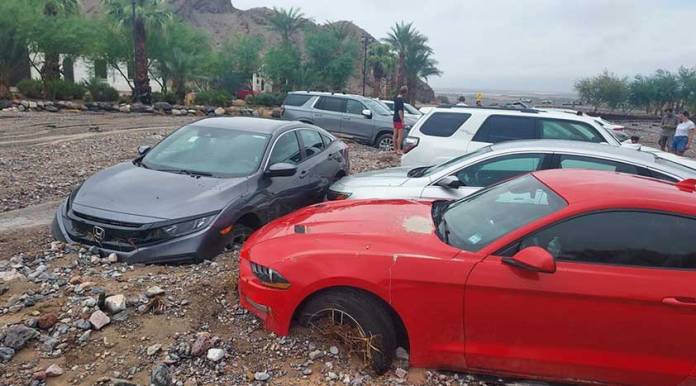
column 398, row 226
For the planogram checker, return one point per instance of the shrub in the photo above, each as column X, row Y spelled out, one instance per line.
column 213, row 98
column 63, row 90
column 266, row 99
column 31, row 88
column 164, row 97
column 443, row 99
column 101, row 91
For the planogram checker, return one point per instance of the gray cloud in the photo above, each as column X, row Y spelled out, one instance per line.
column 542, row 45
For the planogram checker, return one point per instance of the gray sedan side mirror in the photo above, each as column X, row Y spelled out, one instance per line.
column 367, row 114
column 281, row 169
column 143, row 149
column 449, row 182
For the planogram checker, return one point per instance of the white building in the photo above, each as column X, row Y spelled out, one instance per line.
column 83, row 70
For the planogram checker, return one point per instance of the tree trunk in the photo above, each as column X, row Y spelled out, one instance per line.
column 143, row 92
column 51, row 67
column 401, row 71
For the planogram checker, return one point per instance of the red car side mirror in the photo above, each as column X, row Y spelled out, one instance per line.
column 534, row 259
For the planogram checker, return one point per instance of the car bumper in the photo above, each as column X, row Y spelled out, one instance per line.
column 204, row 244
column 272, row 306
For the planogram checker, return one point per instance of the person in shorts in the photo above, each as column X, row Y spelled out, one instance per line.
column 683, row 134
column 399, row 118
column 668, row 124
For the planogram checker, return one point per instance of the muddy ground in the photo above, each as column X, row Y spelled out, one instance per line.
column 56, row 288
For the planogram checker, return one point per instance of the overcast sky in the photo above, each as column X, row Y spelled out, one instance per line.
column 534, row 45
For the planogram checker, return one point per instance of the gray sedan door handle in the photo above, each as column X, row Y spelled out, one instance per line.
column 303, row 174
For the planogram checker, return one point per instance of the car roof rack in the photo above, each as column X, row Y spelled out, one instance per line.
column 520, row 109
column 688, row 185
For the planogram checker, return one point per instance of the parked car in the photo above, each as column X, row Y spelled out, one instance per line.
column 447, row 132
column 618, row 130
column 244, row 91
column 204, row 187
column 362, row 119
column 409, row 111
column 571, row 277
column 489, row 165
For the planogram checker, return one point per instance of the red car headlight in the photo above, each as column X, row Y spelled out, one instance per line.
column 269, row 277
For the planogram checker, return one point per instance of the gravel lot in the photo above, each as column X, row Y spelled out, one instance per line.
column 190, row 330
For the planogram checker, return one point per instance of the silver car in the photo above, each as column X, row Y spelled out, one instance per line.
column 470, row 172
column 356, row 117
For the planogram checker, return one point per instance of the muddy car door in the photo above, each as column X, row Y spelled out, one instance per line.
column 316, row 167
column 328, row 113
column 283, row 193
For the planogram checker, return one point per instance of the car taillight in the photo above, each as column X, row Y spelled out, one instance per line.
column 282, row 110
column 410, row 143
column 344, row 153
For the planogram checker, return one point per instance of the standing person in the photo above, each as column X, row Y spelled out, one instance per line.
column 461, row 101
column 399, row 118
column 668, row 124
column 683, row 134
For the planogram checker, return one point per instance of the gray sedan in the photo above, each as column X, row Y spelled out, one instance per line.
column 470, row 172
column 206, row 186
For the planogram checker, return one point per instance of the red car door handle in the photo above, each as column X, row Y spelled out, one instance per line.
column 680, row 301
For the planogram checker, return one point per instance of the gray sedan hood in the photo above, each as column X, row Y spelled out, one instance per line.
column 385, row 177
column 127, row 192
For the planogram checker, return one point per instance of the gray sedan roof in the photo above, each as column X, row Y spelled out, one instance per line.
column 589, row 148
column 261, row 125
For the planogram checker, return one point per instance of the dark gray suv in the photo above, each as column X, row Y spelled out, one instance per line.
column 356, row 117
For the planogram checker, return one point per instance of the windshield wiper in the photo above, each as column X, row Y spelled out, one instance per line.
column 418, row 172
column 187, row 172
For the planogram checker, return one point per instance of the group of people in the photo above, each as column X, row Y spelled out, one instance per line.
column 677, row 132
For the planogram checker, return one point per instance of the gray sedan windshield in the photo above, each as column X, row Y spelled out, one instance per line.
column 208, row 151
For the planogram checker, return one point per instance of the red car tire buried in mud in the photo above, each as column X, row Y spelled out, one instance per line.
column 364, row 314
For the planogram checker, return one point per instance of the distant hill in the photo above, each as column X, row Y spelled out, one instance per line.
column 222, row 21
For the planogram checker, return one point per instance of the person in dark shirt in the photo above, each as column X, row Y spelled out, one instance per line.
column 398, row 136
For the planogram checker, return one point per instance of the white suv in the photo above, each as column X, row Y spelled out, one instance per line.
column 446, row 132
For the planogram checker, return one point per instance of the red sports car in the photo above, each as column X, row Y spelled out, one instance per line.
column 584, row 276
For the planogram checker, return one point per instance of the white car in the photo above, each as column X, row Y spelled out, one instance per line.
column 409, row 110
column 447, row 132
column 468, row 173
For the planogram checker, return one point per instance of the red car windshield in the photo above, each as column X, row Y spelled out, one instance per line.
column 476, row 221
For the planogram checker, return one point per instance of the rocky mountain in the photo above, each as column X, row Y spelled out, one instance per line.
column 222, row 20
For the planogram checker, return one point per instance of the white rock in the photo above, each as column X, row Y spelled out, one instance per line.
column 262, row 376
column 154, row 349
column 8, row 276
column 333, row 350
column 54, row 371
column 112, row 258
column 215, row 354
column 154, row 291
column 99, row 320
column 115, row 304
column 219, row 111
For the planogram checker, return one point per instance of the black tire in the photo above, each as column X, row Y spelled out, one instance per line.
column 239, row 234
column 55, row 230
column 365, row 312
column 385, row 142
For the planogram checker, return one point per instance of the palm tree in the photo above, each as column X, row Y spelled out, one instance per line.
column 55, row 8
column 381, row 60
column 150, row 15
column 414, row 56
column 286, row 22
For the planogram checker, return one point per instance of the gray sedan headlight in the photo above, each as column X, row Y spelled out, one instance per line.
column 181, row 228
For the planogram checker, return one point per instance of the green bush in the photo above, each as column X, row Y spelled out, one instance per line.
column 31, row 88
column 63, row 90
column 266, row 99
column 213, row 98
column 164, row 97
column 101, row 91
